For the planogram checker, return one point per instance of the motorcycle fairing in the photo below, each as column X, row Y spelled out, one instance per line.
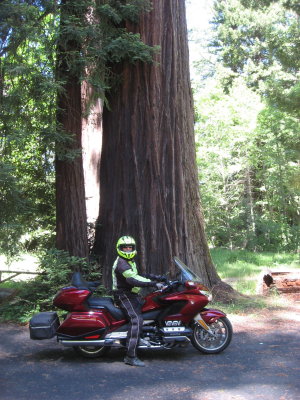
column 190, row 306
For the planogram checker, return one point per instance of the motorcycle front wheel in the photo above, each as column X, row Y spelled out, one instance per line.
column 217, row 340
column 91, row 351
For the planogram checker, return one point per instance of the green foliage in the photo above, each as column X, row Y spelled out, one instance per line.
column 129, row 46
column 248, row 147
column 261, row 41
column 93, row 36
column 27, row 121
column 247, row 156
column 56, row 268
column 117, row 11
column 276, row 163
column 12, row 203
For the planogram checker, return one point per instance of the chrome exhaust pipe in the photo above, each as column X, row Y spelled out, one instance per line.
column 116, row 343
column 71, row 343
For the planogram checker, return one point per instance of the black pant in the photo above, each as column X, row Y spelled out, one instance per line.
column 132, row 306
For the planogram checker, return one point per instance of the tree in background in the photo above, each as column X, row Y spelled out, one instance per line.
column 27, row 125
column 276, row 165
column 225, row 140
column 260, row 39
column 248, row 144
column 249, row 170
column 149, row 184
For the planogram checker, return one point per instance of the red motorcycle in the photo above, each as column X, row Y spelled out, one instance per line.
column 173, row 316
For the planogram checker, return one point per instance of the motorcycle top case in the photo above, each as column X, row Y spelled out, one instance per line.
column 43, row 325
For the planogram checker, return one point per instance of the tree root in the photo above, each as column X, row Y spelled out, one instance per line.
column 224, row 293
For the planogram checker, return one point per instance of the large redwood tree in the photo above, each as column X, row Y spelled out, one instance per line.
column 149, row 181
column 71, row 217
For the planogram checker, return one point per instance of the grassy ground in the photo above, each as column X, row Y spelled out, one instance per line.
column 241, row 269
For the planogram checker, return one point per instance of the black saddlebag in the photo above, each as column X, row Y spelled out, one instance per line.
column 43, row 325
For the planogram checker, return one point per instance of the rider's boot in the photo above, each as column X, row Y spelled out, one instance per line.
column 134, row 361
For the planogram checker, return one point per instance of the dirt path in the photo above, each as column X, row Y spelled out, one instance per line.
column 286, row 311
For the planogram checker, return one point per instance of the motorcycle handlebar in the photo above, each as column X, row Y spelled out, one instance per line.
column 170, row 285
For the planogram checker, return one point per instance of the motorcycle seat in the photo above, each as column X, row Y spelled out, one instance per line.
column 108, row 304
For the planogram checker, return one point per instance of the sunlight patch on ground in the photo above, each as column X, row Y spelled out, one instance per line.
column 288, row 313
column 27, row 262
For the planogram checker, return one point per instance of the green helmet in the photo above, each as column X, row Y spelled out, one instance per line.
column 122, row 243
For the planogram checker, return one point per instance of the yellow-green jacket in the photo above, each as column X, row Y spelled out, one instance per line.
column 126, row 278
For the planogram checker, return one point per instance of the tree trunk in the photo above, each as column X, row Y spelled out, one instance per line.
column 91, row 129
column 149, row 181
column 91, row 147
column 250, row 216
column 71, row 224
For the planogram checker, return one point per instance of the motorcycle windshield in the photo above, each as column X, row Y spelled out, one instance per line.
column 184, row 273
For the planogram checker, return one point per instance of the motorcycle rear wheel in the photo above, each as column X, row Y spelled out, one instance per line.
column 212, row 344
column 91, row 351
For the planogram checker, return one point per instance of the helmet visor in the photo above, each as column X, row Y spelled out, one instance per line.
column 127, row 247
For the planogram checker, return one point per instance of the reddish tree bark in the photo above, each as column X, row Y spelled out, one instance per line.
column 149, row 181
column 71, row 221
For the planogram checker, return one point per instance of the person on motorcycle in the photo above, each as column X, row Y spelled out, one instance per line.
column 127, row 284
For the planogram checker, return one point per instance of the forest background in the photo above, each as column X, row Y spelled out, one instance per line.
column 247, row 125
column 245, row 79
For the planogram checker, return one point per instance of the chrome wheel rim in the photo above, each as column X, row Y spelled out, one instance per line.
column 214, row 340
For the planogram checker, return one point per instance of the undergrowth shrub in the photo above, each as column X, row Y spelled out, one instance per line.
column 56, row 268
